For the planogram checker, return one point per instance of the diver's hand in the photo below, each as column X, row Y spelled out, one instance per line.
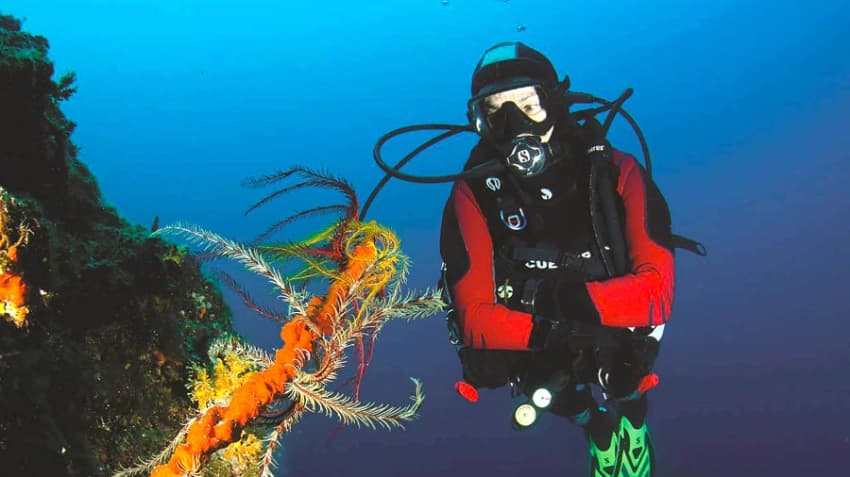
column 538, row 297
column 541, row 327
column 548, row 334
column 566, row 301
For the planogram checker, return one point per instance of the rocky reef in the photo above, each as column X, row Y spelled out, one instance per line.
column 99, row 321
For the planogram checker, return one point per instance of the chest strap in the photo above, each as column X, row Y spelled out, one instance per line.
column 585, row 265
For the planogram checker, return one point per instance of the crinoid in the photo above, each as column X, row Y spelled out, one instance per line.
column 247, row 392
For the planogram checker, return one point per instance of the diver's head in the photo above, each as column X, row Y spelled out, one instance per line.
column 512, row 104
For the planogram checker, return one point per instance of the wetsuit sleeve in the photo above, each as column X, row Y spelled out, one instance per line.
column 467, row 250
column 644, row 295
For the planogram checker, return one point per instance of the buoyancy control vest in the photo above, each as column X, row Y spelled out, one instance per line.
column 541, row 228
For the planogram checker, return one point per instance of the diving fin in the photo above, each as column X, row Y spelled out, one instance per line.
column 636, row 457
column 603, row 438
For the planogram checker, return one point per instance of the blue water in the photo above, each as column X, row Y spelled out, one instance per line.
column 746, row 106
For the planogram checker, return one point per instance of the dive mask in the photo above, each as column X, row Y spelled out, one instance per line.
column 515, row 121
column 501, row 115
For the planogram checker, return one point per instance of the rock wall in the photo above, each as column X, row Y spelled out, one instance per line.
column 93, row 359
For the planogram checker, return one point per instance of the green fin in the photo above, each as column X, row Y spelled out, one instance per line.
column 636, row 454
column 605, row 463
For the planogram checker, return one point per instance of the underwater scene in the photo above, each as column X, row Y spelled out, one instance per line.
column 424, row 237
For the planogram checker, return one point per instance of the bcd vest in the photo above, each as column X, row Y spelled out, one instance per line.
column 542, row 228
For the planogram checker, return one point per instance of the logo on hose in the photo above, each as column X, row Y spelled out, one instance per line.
column 523, row 155
column 514, row 221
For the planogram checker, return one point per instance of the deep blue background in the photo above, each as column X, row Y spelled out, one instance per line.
column 745, row 106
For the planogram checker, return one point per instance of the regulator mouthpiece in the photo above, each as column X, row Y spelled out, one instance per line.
column 528, row 156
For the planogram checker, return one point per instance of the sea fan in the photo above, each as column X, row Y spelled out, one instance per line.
column 363, row 269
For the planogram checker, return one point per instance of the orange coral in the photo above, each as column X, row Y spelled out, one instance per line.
column 13, row 293
column 220, row 426
column 13, row 289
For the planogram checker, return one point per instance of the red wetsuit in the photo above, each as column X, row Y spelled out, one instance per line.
column 641, row 297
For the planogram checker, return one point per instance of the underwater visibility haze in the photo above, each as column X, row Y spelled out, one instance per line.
column 745, row 106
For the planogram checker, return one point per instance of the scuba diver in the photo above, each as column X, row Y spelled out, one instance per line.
column 538, row 295
column 558, row 257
